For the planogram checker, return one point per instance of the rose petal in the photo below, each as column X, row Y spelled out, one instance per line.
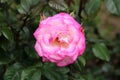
column 67, row 60
column 38, row 49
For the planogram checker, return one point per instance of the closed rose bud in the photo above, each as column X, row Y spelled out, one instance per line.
column 59, row 39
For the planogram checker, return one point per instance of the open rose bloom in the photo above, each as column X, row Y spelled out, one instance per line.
column 59, row 39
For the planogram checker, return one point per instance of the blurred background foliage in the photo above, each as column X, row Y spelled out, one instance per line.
column 20, row 18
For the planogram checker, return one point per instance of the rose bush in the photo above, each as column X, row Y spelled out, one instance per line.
column 59, row 39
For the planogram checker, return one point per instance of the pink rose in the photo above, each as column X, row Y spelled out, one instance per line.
column 59, row 39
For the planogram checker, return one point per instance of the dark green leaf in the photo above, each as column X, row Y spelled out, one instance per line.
column 25, row 5
column 58, row 5
column 113, row 6
column 31, row 52
column 2, row 18
column 101, row 51
column 92, row 7
column 0, row 33
column 26, row 73
column 4, row 58
column 21, row 10
column 13, row 72
column 7, row 33
column 75, row 7
column 33, row 2
column 36, row 76
column 4, row 44
column 17, row 72
column 79, row 63
column 52, row 72
column 32, row 72
column 81, row 59
column 8, row 1
column 25, row 33
column 77, row 66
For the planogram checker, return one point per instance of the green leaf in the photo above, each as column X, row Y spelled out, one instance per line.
column 32, row 72
column 13, row 72
column 18, row 72
column 8, row 1
column 7, row 33
column 36, row 76
column 21, row 10
column 2, row 18
column 4, row 58
column 25, row 5
column 101, row 51
column 79, row 63
column 113, row 6
column 53, row 72
column 33, row 2
column 58, row 5
column 77, row 66
column 0, row 33
column 25, row 33
column 75, row 7
column 81, row 59
column 31, row 52
column 26, row 73
column 92, row 7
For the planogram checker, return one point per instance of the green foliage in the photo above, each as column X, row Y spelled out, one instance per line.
column 58, row 5
column 54, row 73
column 4, row 58
column 7, row 33
column 36, row 72
column 75, row 7
column 113, row 6
column 17, row 72
column 18, row 59
column 13, row 72
column 24, row 7
column 79, row 64
column 92, row 7
column 101, row 51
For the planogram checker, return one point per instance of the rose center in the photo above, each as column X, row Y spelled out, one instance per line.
column 60, row 42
